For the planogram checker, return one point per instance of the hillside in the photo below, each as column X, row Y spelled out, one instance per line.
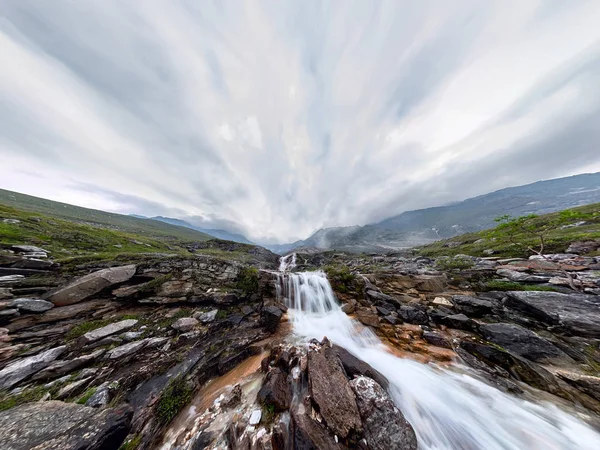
column 102, row 219
column 419, row 227
column 219, row 234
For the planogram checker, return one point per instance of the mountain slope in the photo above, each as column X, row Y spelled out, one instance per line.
column 219, row 234
column 103, row 219
column 422, row 226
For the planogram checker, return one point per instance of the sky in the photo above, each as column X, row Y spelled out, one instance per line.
column 277, row 118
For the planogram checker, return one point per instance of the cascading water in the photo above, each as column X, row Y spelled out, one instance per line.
column 448, row 410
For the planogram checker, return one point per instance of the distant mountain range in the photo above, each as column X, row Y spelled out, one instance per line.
column 219, row 234
column 422, row 226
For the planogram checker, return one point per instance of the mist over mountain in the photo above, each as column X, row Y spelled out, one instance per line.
column 412, row 228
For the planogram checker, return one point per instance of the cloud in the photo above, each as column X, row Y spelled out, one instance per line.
column 278, row 118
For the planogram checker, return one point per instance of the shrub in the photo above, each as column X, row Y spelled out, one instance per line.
column 247, row 281
column 454, row 263
column 176, row 395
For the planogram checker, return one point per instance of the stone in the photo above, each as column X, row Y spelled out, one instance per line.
column 413, row 315
column 132, row 335
column 31, row 305
column 175, row 288
column 125, row 350
column 91, row 284
column 459, row 322
column 54, row 425
column 522, row 277
column 9, row 313
column 472, row 306
column 255, row 417
column 354, row 366
column 583, row 247
column 441, row 301
column 110, row 340
column 6, row 293
column 523, row 342
column 331, row 392
column 436, row 339
column 310, row 435
column 270, row 317
column 72, row 389
column 185, row 324
column 233, row 398
column 60, row 367
column 8, row 280
column 368, row 318
column 348, row 308
column 385, row 428
column 579, row 313
column 23, row 368
column 27, row 249
column 108, row 330
column 100, row 398
column 32, row 263
column 587, row 384
column 208, row 317
column 276, row 390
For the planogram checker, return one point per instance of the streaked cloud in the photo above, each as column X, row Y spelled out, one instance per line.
column 277, row 118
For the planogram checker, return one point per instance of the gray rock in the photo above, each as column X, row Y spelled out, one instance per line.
column 414, row 315
column 384, row 425
column 522, row 277
column 208, row 317
column 309, row 434
column 579, row 313
column 100, row 398
column 459, row 322
column 436, row 339
column 8, row 280
column 73, row 389
column 110, row 340
column 21, row 369
column 53, row 425
column 472, row 306
column 523, row 342
column 9, row 313
column 131, row 335
column 34, row 255
column 270, row 317
column 27, row 249
column 354, row 366
column 59, row 368
column 185, row 324
column 125, row 350
column 100, row 333
column 31, row 305
column 91, row 284
column 6, row 293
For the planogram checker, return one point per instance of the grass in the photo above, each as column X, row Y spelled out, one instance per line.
column 176, row 395
column 557, row 240
column 86, row 396
column 499, row 285
column 34, row 394
column 82, row 328
column 340, row 277
column 132, row 443
column 247, row 281
column 454, row 263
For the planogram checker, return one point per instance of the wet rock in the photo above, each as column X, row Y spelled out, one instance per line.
column 587, row 384
column 125, row 350
column 310, row 435
column 59, row 368
column 100, row 333
column 523, row 342
column 367, row 317
column 31, row 305
column 459, row 322
column 354, row 366
column 385, row 428
column 270, row 317
column 53, row 425
column 276, row 390
column 21, row 369
column 579, row 313
column 383, row 311
column 91, row 284
column 472, row 306
column 376, row 296
column 185, row 324
column 331, row 392
column 234, row 398
column 522, row 277
column 349, row 307
column 411, row 314
column 436, row 339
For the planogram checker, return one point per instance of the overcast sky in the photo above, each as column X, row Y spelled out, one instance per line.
column 276, row 118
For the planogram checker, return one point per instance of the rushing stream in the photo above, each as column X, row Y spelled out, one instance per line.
column 448, row 409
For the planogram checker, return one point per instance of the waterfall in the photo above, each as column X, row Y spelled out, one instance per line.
column 449, row 409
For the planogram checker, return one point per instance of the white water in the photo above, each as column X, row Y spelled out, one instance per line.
column 448, row 410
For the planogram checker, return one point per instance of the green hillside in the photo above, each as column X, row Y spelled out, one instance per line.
column 561, row 228
column 100, row 219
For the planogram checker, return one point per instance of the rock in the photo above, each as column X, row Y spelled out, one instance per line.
column 125, row 350
column 310, row 435
column 523, row 342
column 8, row 314
column 436, row 339
column 234, row 398
column 8, row 280
column 376, row 296
column 59, row 368
column 270, row 317
column 383, row 311
column 522, row 277
column 100, row 333
column 110, row 340
column 459, row 322
column 587, row 384
column 91, row 284
column 132, row 335
column 6, row 293
column 207, row 317
column 330, row 390
column 354, row 366
column 472, row 306
column 100, row 398
column 255, row 417
column 32, row 263
column 393, row 320
column 224, row 298
column 34, row 255
column 441, row 301
column 53, row 425
column 583, row 247
column 176, row 288
column 367, row 317
column 411, row 314
column 579, row 313
column 72, row 389
column 21, row 369
column 31, row 305
column 384, row 425
column 349, row 307
column 276, row 390
column 185, row 324
column 27, row 249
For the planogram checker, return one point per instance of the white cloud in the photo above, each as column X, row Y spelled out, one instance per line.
column 282, row 117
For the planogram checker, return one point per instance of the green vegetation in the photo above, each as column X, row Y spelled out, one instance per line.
column 247, row 281
column 86, row 396
column 521, row 237
column 154, row 285
column 82, row 328
column 268, row 413
column 458, row 262
column 340, row 277
column 499, row 285
column 132, row 443
column 176, row 395
column 33, row 394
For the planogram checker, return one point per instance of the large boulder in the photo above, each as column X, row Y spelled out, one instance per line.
column 310, row 435
column 331, row 392
column 21, row 369
column 54, row 425
column 276, row 390
column 523, row 342
column 413, row 314
column 385, row 428
column 354, row 366
column 100, row 333
column 270, row 317
column 472, row 306
column 522, row 277
column 91, row 284
column 578, row 313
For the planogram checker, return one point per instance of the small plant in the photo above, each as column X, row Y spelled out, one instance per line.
column 454, row 263
column 86, row 396
column 8, row 401
column 340, row 277
column 247, row 281
column 268, row 413
column 499, row 285
column 154, row 285
column 132, row 443
column 82, row 328
column 176, row 395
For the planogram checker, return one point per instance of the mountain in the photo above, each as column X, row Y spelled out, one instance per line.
column 219, row 234
column 101, row 219
column 412, row 228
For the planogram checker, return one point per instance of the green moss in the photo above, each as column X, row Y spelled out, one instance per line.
column 268, row 413
column 340, row 277
column 499, row 285
column 247, row 281
column 82, row 328
column 86, row 396
column 154, row 285
column 33, row 394
column 132, row 443
column 176, row 395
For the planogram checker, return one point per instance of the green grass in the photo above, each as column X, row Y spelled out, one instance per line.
column 132, row 443
column 557, row 240
column 86, row 396
column 247, row 281
column 340, row 277
column 176, row 395
column 34, row 394
column 499, row 285
column 82, row 328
